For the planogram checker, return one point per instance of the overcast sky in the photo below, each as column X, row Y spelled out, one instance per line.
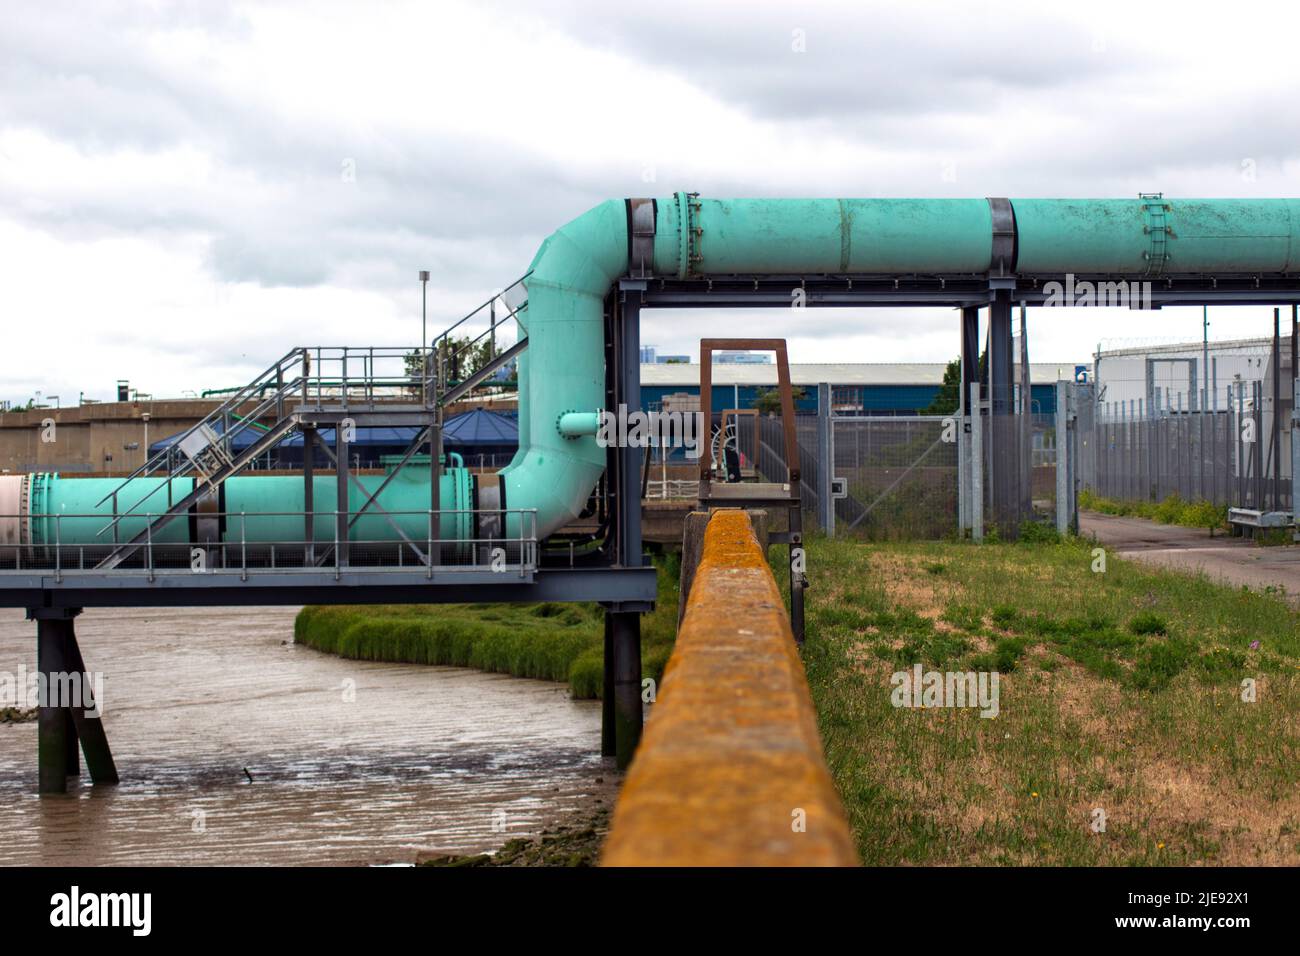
column 186, row 194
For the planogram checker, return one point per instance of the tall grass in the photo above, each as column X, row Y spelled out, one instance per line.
column 558, row 642
column 1121, row 691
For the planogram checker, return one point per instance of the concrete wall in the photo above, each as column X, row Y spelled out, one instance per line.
column 92, row 439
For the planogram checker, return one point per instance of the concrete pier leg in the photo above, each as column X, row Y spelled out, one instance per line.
column 608, row 735
column 628, row 720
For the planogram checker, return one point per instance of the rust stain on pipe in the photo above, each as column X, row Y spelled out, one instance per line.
column 730, row 771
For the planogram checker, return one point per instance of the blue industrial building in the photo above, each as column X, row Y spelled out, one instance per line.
column 856, row 389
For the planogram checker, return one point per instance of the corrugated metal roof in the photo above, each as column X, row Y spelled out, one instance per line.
column 836, row 373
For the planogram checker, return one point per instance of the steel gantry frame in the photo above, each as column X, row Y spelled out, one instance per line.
column 617, row 576
column 997, row 292
column 612, row 572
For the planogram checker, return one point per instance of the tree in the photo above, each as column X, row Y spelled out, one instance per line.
column 948, row 398
column 769, row 399
column 458, row 355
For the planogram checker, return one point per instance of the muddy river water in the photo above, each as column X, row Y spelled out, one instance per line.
column 350, row 762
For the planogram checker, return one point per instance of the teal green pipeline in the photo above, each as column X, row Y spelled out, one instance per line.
column 562, row 376
column 252, row 506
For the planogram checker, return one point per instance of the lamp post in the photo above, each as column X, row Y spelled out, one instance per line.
column 424, row 336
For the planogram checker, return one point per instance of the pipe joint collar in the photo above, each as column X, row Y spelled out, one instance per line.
column 1002, row 259
column 689, row 233
column 641, row 214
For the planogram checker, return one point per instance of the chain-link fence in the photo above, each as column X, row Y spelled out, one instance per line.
column 899, row 477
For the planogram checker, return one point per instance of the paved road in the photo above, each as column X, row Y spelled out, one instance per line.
column 1234, row 561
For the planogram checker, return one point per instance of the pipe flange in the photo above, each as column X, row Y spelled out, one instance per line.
column 1002, row 259
column 559, row 418
column 641, row 238
column 25, row 511
column 688, row 233
column 1155, row 210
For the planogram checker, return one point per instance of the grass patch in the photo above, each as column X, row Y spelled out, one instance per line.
column 557, row 642
column 1172, row 510
column 1120, row 690
column 1147, row 623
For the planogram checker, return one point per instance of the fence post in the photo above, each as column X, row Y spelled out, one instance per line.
column 826, row 452
column 963, row 467
column 976, row 466
column 1063, row 509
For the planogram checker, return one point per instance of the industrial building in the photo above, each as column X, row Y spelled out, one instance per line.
column 857, row 388
column 116, row 437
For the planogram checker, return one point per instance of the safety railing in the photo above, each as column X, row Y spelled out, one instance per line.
column 248, row 543
column 363, row 376
column 450, row 356
column 673, row 488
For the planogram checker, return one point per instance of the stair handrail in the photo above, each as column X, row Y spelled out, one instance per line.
column 239, row 398
column 188, row 465
column 441, row 359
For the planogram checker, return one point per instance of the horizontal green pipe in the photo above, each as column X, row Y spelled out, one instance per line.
column 766, row 236
column 1115, row 235
column 571, row 276
column 262, row 500
column 576, row 268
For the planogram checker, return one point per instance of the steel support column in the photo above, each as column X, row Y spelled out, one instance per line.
column 308, row 495
column 62, row 724
column 625, row 630
column 55, row 739
column 341, row 465
column 1003, row 453
column 624, row 627
column 970, row 375
column 608, row 733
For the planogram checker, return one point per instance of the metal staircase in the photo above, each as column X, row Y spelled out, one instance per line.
column 306, row 388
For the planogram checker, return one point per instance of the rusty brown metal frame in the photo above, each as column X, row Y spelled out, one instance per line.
column 793, row 537
column 707, row 348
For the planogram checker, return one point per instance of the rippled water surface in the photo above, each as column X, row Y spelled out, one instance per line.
column 351, row 762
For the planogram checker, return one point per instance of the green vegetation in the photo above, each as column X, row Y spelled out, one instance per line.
column 768, row 401
column 559, row 642
column 1119, row 691
column 946, row 400
column 1172, row 510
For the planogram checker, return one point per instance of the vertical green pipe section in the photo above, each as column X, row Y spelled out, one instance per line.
column 564, row 366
